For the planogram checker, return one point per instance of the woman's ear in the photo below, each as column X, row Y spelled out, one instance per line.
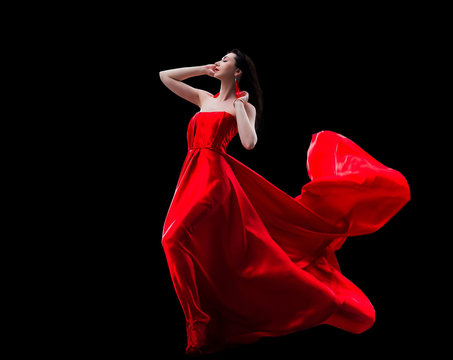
column 238, row 73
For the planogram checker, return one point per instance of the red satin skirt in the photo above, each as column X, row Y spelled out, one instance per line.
column 247, row 260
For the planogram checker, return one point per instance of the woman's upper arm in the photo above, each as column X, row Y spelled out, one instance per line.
column 181, row 89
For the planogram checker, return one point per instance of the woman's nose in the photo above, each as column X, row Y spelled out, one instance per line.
column 217, row 63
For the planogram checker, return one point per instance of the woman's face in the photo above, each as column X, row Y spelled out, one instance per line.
column 226, row 67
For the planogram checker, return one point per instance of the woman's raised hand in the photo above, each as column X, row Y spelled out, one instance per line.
column 243, row 96
column 210, row 69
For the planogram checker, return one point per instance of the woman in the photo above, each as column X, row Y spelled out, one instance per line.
column 246, row 259
column 229, row 71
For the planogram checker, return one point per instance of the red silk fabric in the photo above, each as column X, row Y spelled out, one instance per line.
column 236, row 87
column 247, row 260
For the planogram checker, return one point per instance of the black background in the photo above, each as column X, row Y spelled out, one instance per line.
column 359, row 72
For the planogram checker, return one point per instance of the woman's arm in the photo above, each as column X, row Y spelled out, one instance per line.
column 245, row 117
column 173, row 79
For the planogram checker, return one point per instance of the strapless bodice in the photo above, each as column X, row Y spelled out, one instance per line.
column 211, row 130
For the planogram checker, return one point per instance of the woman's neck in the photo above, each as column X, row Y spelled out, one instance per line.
column 227, row 90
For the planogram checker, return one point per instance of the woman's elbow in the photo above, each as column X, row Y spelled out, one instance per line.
column 249, row 145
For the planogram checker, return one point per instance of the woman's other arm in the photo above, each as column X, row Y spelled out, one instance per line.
column 173, row 79
column 245, row 117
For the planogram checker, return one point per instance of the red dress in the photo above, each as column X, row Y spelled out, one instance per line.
column 247, row 260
